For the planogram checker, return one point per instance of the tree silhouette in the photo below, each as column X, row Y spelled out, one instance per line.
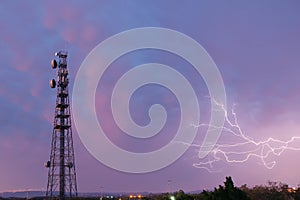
column 226, row 192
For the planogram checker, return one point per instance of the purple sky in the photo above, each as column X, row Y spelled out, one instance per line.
column 255, row 45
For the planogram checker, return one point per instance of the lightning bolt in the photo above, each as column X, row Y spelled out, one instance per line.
column 247, row 148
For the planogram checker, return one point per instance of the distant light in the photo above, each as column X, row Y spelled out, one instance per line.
column 172, row 198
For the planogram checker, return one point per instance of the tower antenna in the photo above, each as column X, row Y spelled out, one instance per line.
column 61, row 175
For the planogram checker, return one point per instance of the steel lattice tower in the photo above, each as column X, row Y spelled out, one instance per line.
column 61, row 174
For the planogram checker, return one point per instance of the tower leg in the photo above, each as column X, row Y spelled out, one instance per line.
column 62, row 166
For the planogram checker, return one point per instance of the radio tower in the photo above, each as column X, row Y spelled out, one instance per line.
column 61, row 174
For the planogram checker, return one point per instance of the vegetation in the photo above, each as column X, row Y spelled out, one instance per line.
column 271, row 191
column 228, row 191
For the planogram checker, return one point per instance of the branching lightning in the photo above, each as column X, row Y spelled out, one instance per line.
column 245, row 149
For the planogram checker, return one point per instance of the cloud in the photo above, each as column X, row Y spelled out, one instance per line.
column 255, row 47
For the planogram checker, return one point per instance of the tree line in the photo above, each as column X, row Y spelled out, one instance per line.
column 271, row 191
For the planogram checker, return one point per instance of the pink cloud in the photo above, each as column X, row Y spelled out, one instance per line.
column 22, row 63
column 69, row 35
column 71, row 24
column 21, row 161
column 89, row 33
column 48, row 114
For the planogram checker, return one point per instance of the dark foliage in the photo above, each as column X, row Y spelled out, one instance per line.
column 226, row 192
column 271, row 191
